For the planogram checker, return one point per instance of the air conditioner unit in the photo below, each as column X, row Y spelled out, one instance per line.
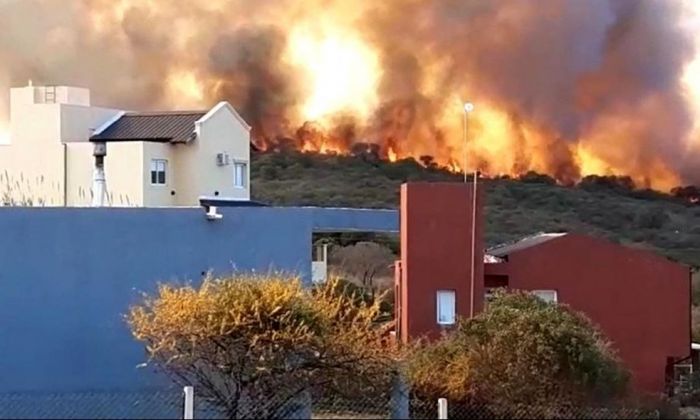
column 222, row 159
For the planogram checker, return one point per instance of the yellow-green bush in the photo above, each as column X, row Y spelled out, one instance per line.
column 520, row 351
column 241, row 340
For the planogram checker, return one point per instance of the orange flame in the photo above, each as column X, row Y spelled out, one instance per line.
column 339, row 71
column 391, row 154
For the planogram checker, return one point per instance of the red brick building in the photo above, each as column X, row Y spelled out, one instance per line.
column 640, row 300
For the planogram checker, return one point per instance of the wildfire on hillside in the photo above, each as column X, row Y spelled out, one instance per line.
column 569, row 88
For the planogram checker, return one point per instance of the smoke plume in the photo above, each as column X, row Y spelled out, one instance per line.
column 564, row 87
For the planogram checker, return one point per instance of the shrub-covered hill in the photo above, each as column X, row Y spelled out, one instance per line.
column 606, row 206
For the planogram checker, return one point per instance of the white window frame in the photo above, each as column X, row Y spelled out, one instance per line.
column 451, row 313
column 547, row 295
column 158, row 166
column 244, row 183
column 489, row 294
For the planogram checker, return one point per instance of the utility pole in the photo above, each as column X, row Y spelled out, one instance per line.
column 468, row 108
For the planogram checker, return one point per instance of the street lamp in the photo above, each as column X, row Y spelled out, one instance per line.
column 468, row 108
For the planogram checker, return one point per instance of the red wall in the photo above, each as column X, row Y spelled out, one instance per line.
column 436, row 238
column 640, row 300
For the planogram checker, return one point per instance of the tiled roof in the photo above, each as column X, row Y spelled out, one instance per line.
column 507, row 249
column 165, row 127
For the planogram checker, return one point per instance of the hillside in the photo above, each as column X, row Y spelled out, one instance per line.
column 604, row 206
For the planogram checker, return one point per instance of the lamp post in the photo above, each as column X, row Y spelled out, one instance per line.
column 468, row 108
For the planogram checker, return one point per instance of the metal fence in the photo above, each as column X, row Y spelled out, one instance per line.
column 157, row 403
column 174, row 403
column 444, row 409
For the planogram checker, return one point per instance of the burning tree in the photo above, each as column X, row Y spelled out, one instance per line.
column 689, row 193
column 253, row 345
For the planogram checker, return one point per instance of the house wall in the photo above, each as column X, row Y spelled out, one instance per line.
column 436, row 253
column 33, row 164
column 640, row 301
column 69, row 275
column 78, row 122
column 196, row 170
column 160, row 195
column 123, row 173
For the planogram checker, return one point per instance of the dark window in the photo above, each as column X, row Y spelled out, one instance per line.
column 158, row 168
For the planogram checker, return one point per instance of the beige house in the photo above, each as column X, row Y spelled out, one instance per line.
column 153, row 158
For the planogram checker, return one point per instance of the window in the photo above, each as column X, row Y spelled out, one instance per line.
column 50, row 94
column 240, row 174
column 446, row 307
column 549, row 296
column 158, row 168
column 488, row 296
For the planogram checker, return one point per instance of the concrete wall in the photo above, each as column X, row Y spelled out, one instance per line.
column 69, row 275
column 640, row 300
column 436, row 254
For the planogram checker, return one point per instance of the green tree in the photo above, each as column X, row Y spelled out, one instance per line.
column 520, row 352
column 652, row 218
column 241, row 341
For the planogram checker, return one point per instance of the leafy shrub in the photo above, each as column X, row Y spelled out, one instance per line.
column 240, row 340
column 519, row 351
column 617, row 183
column 652, row 218
column 533, row 177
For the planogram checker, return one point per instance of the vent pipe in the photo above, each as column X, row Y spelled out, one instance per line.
column 99, row 184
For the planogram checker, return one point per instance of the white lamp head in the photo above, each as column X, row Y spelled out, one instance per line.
column 468, row 107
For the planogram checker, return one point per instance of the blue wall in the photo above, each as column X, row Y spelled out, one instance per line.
column 68, row 275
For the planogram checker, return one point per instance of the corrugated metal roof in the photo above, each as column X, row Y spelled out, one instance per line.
column 506, row 249
column 173, row 127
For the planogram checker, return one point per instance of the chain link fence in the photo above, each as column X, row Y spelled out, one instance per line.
column 302, row 404
column 381, row 408
column 156, row 403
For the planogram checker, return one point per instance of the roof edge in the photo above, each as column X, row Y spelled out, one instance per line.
column 521, row 244
column 217, row 107
column 108, row 123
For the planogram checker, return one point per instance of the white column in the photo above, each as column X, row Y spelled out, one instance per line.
column 442, row 408
column 188, row 412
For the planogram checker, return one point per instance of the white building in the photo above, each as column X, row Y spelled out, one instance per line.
column 153, row 158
